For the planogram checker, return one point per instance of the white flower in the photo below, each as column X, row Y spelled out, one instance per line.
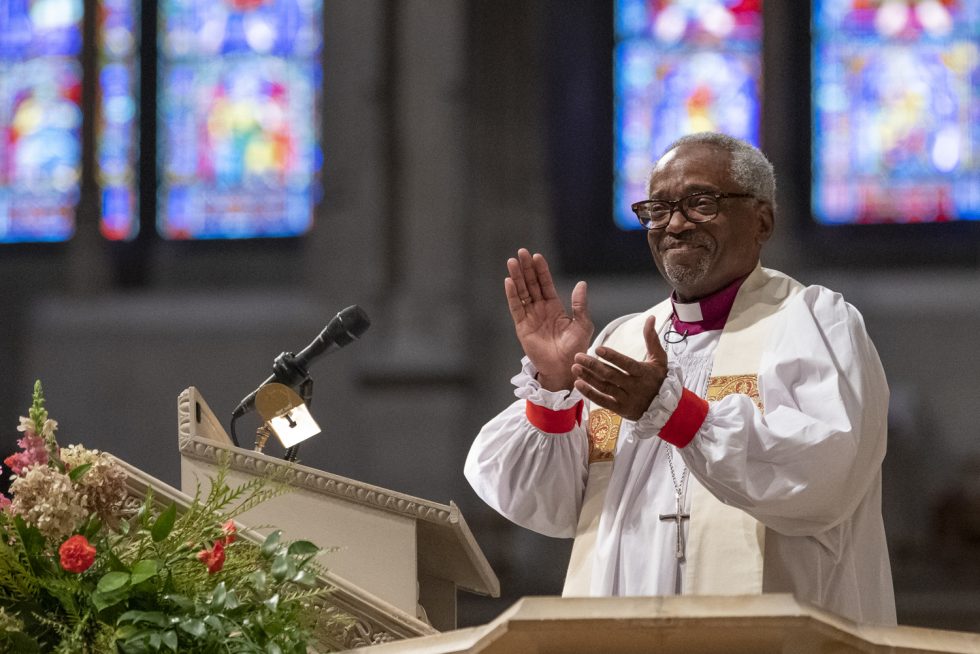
column 77, row 455
column 102, row 488
column 26, row 424
column 50, row 426
column 47, row 499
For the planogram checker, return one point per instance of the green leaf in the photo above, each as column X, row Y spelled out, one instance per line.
column 112, row 581
column 218, row 597
column 21, row 643
column 136, row 642
column 126, row 632
column 304, row 578
column 164, row 523
column 92, row 527
column 302, row 548
column 272, row 603
column 129, row 616
column 155, row 618
column 124, row 527
column 280, row 568
column 182, row 602
column 194, row 627
column 271, row 543
column 231, row 601
column 155, row 641
column 77, row 472
column 168, row 581
column 259, row 581
column 30, row 536
column 272, row 648
column 170, row 639
column 115, row 562
column 143, row 570
column 103, row 601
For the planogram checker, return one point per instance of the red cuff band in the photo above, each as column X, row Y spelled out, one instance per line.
column 686, row 420
column 554, row 422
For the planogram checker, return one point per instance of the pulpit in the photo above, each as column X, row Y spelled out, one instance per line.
column 407, row 552
column 686, row 624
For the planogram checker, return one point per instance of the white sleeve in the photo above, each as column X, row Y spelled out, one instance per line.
column 803, row 466
column 533, row 478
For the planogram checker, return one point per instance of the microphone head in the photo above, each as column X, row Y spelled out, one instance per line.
column 355, row 321
column 344, row 328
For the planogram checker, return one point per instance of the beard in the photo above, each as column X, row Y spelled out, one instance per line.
column 680, row 276
column 688, row 274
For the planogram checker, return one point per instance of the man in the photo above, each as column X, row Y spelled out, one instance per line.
column 727, row 441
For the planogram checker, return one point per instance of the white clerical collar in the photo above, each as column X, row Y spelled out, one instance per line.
column 708, row 313
column 689, row 312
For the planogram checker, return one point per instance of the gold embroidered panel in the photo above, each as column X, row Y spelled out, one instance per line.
column 722, row 386
column 603, row 426
column 603, row 430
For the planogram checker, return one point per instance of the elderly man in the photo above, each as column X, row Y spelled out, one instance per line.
column 727, row 441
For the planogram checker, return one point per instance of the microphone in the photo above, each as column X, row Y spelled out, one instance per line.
column 291, row 369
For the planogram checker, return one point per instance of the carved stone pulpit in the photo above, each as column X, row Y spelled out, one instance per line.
column 683, row 624
column 408, row 552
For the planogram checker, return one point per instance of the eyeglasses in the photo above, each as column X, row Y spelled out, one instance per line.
column 697, row 207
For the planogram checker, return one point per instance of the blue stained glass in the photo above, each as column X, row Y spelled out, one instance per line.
column 680, row 66
column 239, row 101
column 40, row 119
column 118, row 118
column 896, row 111
column 37, row 28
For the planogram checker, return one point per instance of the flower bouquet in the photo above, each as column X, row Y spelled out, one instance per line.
column 85, row 568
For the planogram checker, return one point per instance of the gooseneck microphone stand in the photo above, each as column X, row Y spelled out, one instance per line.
column 288, row 371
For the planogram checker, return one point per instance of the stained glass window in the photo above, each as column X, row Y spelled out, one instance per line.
column 40, row 118
column 896, row 93
column 239, row 117
column 681, row 66
column 118, row 118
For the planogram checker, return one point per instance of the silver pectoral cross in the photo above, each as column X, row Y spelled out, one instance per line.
column 677, row 517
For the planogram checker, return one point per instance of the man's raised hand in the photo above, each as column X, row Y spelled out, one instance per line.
column 550, row 337
column 627, row 387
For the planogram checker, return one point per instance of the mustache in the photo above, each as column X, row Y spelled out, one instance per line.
column 686, row 238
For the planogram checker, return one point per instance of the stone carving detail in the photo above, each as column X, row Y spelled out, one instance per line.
column 318, row 483
column 183, row 418
column 130, row 506
column 361, row 634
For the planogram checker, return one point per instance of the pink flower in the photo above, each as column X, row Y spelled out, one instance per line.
column 4, row 502
column 77, row 554
column 34, row 452
column 230, row 532
column 213, row 558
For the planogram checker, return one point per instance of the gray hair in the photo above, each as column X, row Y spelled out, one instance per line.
column 750, row 169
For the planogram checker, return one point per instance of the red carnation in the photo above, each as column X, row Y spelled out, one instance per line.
column 77, row 554
column 230, row 531
column 213, row 558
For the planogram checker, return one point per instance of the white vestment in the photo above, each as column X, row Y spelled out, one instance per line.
column 808, row 468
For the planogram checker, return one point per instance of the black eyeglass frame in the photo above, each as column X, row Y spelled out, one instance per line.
column 676, row 204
